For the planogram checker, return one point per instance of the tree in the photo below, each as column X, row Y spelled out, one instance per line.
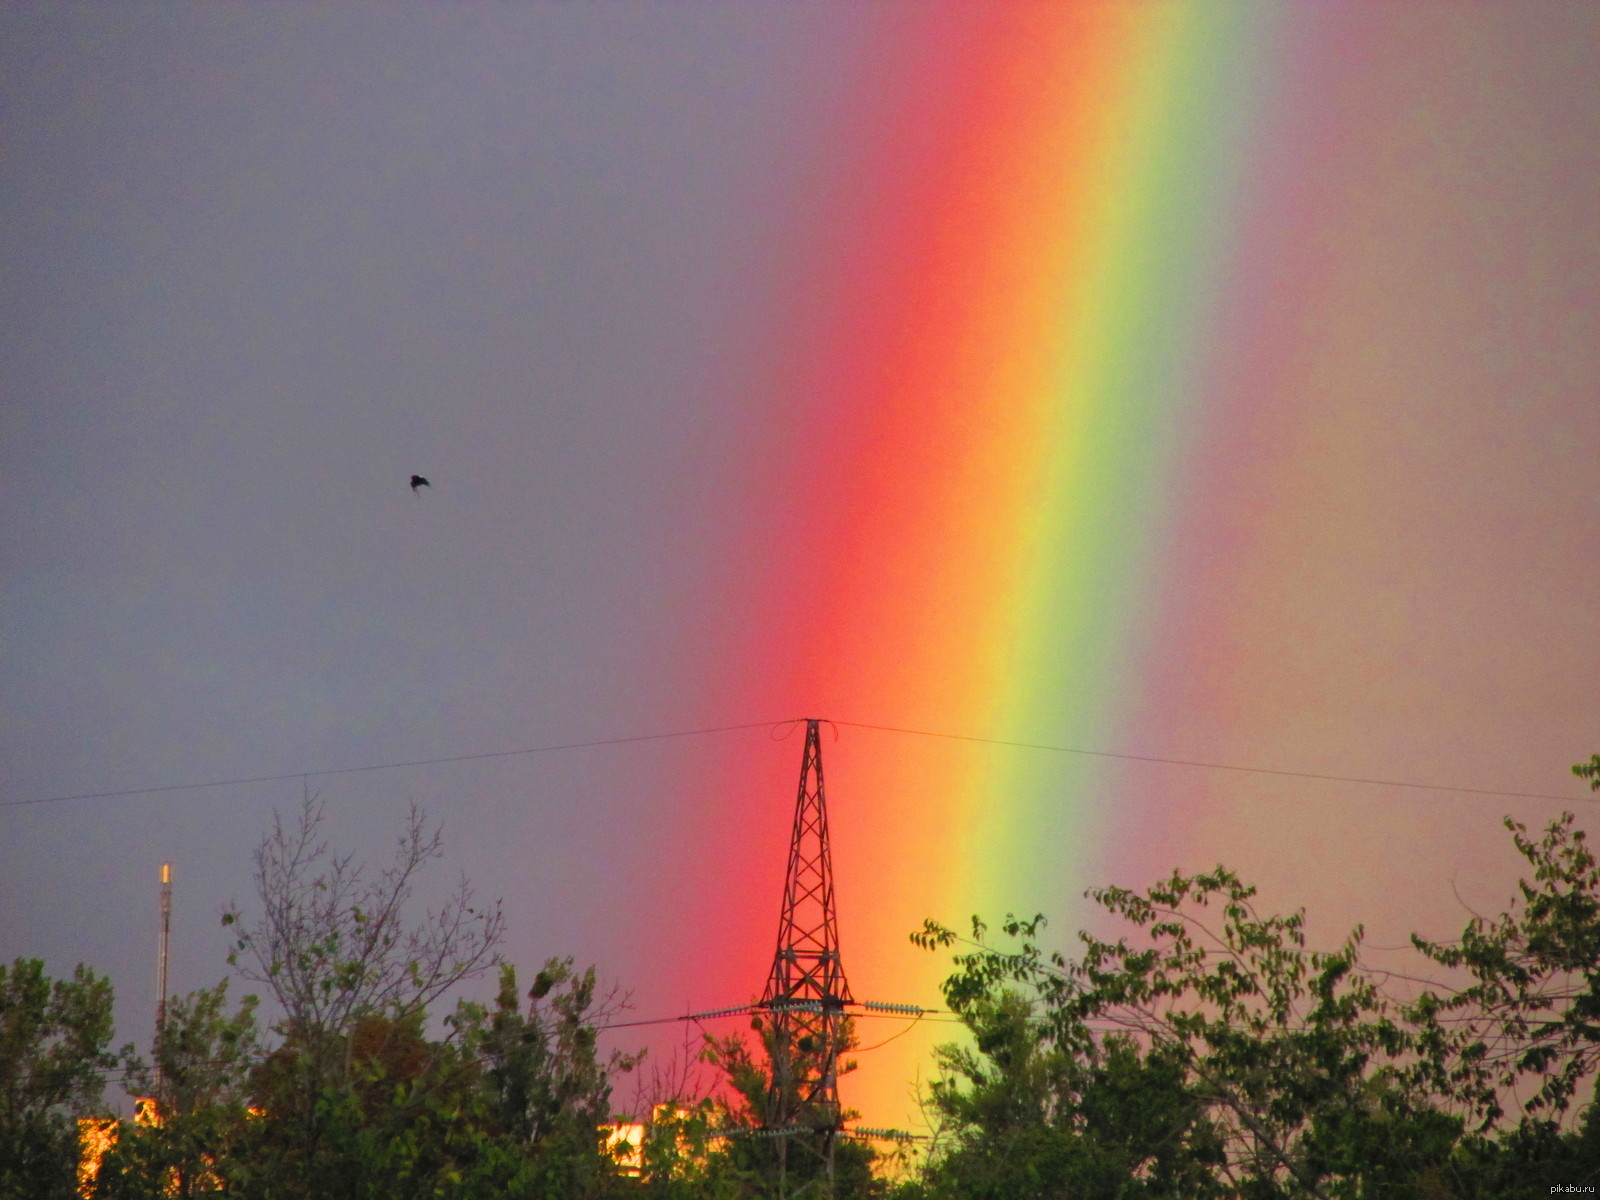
column 356, row 1100
column 508, row 1105
column 1215, row 1055
column 54, row 1038
column 1590, row 771
column 749, row 1163
column 332, row 944
column 198, row 1081
column 1208, row 1057
column 547, row 1091
column 707, row 1140
column 1511, row 1049
column 1021, row 1116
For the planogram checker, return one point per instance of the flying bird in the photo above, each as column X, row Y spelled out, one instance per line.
column 417, row 481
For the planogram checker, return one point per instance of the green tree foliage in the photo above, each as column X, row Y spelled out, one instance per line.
column 1590, row 771
column 320, row 1131
column 1512, row 1049
column 545, row 1089
column 54, row 1039
column 716, row 1146
column 508, row 1104
column 1207, row 1054
column 333, row 943
column 1210, row 1053
column 709, row 1140
column 198, row 1081
column 358, row 1098
column 1530, row 1017
column 1024, row 1117
column 354, row 1078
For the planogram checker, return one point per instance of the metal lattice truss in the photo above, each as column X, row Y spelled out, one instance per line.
column 806, row 991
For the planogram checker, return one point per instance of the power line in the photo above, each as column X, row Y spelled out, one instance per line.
column 1211, row 766
column 911, row 1013
column 389, row 766
column 683, row 733
column 870, row 1008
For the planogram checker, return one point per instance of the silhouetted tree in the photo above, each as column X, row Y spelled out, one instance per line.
column 54, row 1039
column 333, row 944
column 198, row 1082
column 355, row 1097
column 1211, row 1054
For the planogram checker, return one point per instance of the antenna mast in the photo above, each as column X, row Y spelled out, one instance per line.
column 161, row 972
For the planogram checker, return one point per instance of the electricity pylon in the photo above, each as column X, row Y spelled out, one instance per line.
column 807, row 991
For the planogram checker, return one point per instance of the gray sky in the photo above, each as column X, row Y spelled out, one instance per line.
column 263, row 263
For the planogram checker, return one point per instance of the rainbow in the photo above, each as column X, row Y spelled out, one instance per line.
column 1027, row 284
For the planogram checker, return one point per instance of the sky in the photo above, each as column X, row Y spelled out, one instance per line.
column 1196, row 384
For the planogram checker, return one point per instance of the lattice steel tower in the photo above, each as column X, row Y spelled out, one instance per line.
column 806, row 991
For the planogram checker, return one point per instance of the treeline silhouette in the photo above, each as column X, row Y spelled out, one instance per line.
column 1206, row 1053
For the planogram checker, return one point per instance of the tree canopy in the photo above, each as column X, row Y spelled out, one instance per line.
column 55, row 1036
column 1208, row 1052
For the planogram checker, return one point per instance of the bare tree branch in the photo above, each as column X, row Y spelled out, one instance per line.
column 332, row 944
